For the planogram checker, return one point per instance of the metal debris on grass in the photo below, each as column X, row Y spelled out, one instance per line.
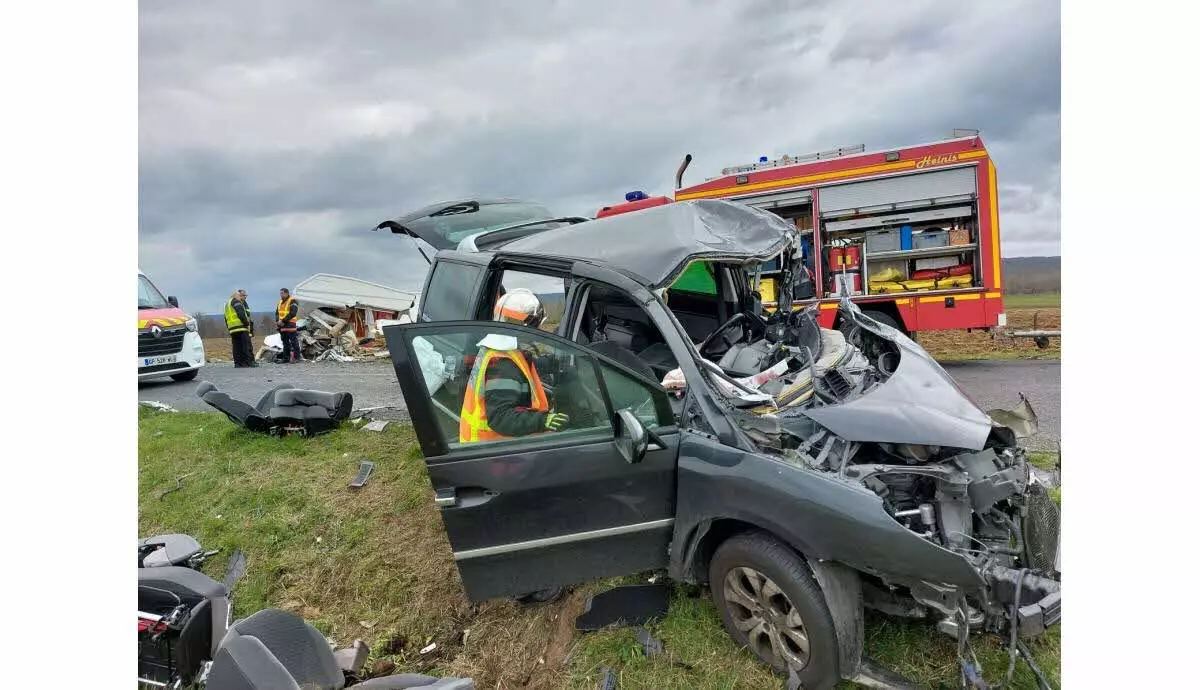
column 178, row 485
column 365, row 468
column 155, row 405
column 377, row 425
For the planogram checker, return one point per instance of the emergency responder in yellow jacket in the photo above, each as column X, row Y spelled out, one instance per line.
column 285, row 319
column 241, row 329
column 505, row 396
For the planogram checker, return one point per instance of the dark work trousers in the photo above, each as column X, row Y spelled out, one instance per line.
column 291, row 346
column 243, row 351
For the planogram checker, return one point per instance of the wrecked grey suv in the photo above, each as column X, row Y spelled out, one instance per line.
column 801, row 473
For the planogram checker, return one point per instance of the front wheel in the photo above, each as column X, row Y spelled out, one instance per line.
column 770, row 604
column 185, row 376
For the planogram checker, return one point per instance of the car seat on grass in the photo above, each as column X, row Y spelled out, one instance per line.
column 283, row 409
column 276, row 650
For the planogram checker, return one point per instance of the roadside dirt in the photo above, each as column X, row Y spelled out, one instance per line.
column 952, row 344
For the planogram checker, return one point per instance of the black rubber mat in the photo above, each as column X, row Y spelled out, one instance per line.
column 626, row 605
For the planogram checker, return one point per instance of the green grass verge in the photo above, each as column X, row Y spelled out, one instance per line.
column 699, row 654
column 1043, row 460
column 374, row 564
column 1050, row 300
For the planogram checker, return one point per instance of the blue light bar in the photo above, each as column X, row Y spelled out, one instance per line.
column 635, row 196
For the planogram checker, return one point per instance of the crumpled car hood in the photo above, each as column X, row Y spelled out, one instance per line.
column 919, row 404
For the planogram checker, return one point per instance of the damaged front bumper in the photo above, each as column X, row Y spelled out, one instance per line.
column 1037, row 600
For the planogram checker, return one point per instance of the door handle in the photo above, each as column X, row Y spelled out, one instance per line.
column 444, row 498
column 464, row 497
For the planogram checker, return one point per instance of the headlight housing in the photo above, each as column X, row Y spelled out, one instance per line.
column 191, row 325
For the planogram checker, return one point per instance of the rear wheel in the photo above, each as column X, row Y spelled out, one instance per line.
column 542, row 596
column 770, row 604
column 186, row 375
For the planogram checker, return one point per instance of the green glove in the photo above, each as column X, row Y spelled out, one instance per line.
column 555, row 421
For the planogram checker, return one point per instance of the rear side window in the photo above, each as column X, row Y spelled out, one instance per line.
column 448, row 297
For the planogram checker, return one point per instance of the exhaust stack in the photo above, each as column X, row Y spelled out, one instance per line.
column 682, row 166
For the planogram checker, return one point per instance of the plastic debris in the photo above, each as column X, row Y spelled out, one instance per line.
column 377, row 425
column 429, row 648
column 155, row 405
column 651, row 645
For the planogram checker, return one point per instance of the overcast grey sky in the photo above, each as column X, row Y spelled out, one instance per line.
column 275, row 133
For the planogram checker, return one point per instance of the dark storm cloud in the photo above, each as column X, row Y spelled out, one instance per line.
column 274, row 135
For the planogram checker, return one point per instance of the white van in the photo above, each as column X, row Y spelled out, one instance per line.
column 169, row 341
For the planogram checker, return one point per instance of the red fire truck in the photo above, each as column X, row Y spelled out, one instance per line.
column 912, row 234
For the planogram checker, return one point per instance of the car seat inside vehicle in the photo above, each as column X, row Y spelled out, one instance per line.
column 628, row 334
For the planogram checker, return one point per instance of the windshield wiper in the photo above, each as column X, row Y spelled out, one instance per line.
column 456, row 209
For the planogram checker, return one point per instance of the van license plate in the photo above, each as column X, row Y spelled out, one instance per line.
column 155, row 361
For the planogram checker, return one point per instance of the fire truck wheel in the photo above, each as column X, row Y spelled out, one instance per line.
column 883, row 318
column 848, row 329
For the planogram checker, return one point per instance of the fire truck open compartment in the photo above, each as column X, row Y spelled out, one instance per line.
column 908, row 233
column 915, row 232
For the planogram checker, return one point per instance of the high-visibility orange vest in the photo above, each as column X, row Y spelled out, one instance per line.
column 473, row 424
column 281, row 314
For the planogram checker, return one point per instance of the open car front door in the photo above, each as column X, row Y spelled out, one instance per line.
column 532, row 511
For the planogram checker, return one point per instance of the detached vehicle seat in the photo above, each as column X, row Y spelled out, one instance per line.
column 167, row 549
column 283, row 409
column 276, row 650
column 162, row 589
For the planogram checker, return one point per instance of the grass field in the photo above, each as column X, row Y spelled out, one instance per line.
column 1050, row 300
column 374, row 564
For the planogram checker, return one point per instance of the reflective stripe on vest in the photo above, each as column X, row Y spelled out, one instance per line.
column 232, row 322
column 281, row 313
column 473, row 425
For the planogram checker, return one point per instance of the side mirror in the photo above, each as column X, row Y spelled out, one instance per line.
column 173, row 301
column 631, row 438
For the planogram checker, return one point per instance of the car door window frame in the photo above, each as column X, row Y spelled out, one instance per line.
column 436, row 449
column 681, row 346
column 458, row 260
column 495, row 274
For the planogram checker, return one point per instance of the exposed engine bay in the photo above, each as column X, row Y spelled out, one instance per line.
column 868, row 406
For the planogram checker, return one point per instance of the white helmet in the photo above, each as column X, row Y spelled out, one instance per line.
column 519, row 306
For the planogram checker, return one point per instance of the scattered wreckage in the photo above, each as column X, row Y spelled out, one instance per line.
column 283, row 410
column 802, row 473
column 187, row 636
column 345, row 320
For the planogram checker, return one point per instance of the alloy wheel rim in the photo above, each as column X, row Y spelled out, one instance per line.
column 766, row 616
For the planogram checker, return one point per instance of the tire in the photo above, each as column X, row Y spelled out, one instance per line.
column 755, row 557
column 848, row 329
column 185, row 376
column 884, row 318
column 542, row 596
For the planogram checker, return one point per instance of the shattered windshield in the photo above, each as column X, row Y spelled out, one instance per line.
column 149, row 297
column 454, row 223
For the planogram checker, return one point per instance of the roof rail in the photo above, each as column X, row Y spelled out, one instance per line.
column 763, row 164
column 961, row 133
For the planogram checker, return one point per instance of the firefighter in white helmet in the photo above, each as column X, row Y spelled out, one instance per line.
column 505, row 396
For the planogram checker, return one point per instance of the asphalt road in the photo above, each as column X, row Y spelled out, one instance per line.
column 991, row 384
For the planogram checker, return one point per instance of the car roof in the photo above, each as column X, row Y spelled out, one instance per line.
column 655, row 245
